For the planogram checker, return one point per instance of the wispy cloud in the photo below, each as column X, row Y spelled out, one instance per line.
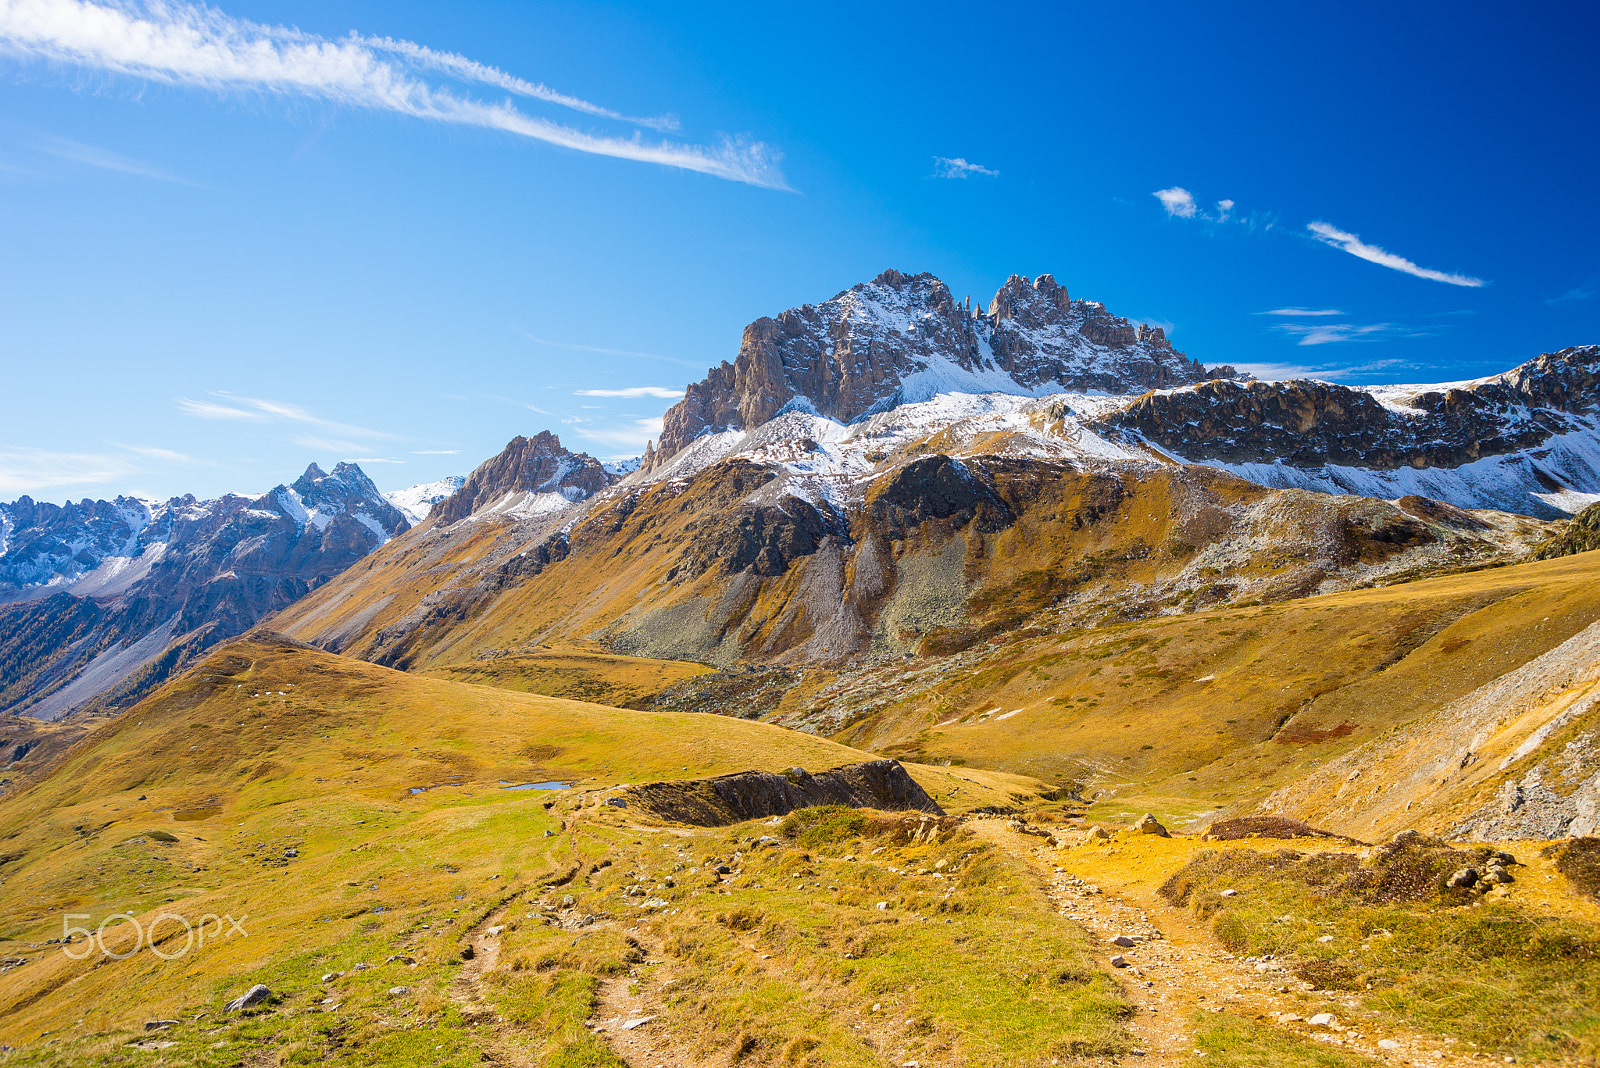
column 629, row 437
column 1278, row 372
column 1348, row 242
column 631, row 391
column 257, row 410
column 25, row 470
column 201, row 409
column 435, row 452
column 374, row 460
column 1302, row 313
column 1577, row 294
column 182, row 44
column 1178, row 201
column 472, row 71
column 960, row 168
column 103, row 158
column 1332, row 333
column 571, row 347
column 154, row 453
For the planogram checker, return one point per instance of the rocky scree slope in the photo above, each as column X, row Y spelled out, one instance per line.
column 108, row 598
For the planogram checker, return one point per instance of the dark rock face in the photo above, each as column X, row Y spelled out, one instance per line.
column 748, row 795
column 935, row 487
column 1309, row 424
column 1582, row 534
column 147, row 586
column 526, row 466
column 900, row 336
column 765, row 539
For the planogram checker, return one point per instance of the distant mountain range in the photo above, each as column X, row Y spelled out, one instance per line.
column 889, row 471
column 892, row 471
column 104, row 599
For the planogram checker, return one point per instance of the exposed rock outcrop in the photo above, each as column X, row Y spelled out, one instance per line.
column 748, row 795
column 1581, row 535
column 1309, row 424
column 530, row 475
column 905, row 337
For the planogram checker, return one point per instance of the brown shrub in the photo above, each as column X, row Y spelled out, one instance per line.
column 1267, row 827
column 1579, row 861
column 1412, row 867
column 1328, row 975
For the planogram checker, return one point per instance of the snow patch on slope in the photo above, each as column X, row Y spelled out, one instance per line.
column 1561, row 476
column 415, row 502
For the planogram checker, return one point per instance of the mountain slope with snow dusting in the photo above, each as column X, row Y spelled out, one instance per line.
column 103, row 599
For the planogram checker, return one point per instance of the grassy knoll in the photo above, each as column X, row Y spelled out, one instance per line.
column 273, row 785
column 582, row 672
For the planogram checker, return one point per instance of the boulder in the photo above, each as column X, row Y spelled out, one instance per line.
column 249, row 999
column 1147, row 824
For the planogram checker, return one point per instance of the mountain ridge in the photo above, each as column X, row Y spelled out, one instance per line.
column 107, row 598
column 902, row 337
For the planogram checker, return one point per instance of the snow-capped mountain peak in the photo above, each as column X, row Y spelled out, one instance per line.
column 904, row 338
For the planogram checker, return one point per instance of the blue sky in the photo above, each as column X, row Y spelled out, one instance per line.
column 237, row 239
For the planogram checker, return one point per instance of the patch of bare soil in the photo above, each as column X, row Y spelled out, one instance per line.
column 631, row 1017
column 467, row 991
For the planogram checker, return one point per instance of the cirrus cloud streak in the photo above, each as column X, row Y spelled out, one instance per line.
column 183, row 44
column 1340, row 239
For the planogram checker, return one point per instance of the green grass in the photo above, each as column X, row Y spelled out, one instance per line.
column 1490, row 973
column 793, row 963
column 1228, row 1041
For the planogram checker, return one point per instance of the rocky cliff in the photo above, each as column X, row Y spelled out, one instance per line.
column 108, row 597
column 530, row 476
column 905, row 338
column 1310, row 425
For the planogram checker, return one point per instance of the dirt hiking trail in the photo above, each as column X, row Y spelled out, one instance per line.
column 1176, row 968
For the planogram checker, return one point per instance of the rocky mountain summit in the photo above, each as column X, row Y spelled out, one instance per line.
column 902, row 338
column 530, row 476
column 106, row 598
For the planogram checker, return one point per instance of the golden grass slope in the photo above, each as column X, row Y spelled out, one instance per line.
column 1517, row 758
column 274, row 782
column 1192, row 714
